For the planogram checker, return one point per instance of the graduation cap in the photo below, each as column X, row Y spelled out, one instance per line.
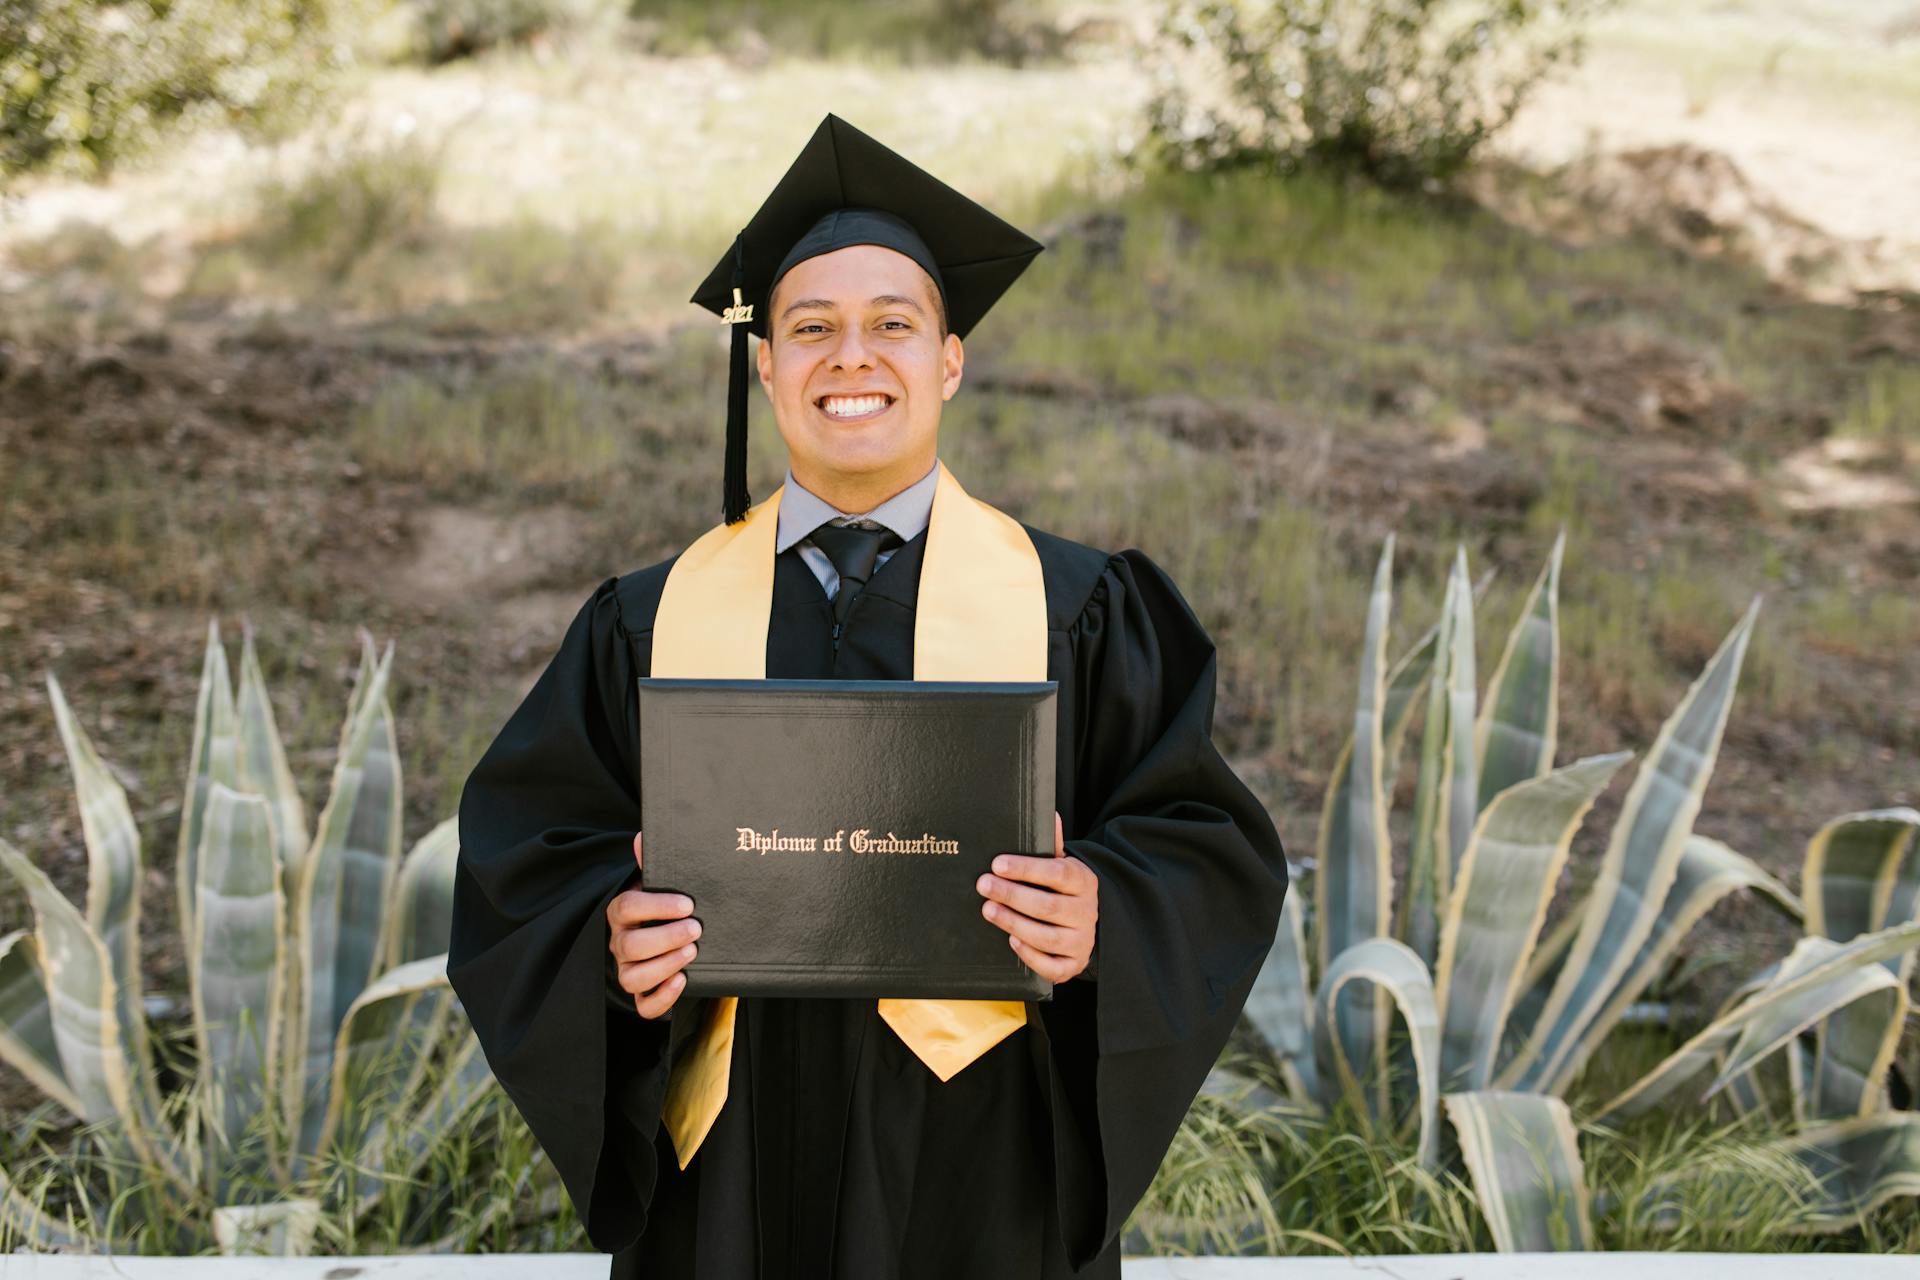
column 845, row 189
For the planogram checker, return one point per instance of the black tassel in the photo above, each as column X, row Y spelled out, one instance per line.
column 736, row 500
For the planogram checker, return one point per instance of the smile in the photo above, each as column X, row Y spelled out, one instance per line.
column 854, row 408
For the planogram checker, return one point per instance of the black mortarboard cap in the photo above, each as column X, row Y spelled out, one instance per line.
column 844, row 189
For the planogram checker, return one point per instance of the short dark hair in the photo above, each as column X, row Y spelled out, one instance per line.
column 939, row 304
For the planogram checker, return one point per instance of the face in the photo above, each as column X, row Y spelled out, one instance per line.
column 857, row 372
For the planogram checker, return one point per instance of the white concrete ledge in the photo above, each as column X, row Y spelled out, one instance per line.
column 593, row 1266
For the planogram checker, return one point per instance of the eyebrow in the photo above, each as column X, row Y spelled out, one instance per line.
column 825, row 304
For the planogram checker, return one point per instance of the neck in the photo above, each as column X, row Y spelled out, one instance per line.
column 855, row 492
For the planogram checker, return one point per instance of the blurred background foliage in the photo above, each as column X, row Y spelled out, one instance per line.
column 1402, row 91
column 84, row 83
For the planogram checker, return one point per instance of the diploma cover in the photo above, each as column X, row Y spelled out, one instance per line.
column 830, row 832
column 980, row 614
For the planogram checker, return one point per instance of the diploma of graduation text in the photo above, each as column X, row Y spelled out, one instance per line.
column 830, row 832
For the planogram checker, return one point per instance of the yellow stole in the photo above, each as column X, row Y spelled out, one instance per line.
column 981, row 614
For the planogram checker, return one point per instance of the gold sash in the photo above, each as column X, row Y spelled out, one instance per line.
column 981, row 614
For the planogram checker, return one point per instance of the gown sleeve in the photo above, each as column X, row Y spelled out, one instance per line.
column 547, row 820
column 1192, row 875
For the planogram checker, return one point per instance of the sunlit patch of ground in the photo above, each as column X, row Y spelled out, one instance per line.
column 1815, row 102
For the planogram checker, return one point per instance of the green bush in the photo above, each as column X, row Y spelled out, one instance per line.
column 1400, row 91
column 84, row 83
column 445, row 30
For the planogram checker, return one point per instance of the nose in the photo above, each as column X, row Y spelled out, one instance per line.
column 852, row 351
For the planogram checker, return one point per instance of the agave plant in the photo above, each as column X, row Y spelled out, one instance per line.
column 316, row 970
column 1832, row 1009
column 1499, row 1014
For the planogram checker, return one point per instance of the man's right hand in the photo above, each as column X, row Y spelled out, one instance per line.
column 651, row 939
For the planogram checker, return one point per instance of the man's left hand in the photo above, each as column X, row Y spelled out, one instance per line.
column 1048, row 906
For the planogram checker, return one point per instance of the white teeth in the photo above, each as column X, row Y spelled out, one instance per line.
column 851, row 406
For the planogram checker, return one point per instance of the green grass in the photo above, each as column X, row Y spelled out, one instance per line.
column 480, row 1182
column 362, row 230
column 1679, row 1178
column 867, row 31
column 535, row 428
column 1885, row 405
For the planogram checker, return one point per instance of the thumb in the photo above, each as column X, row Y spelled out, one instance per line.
column 636, row 847
column 1059, row 837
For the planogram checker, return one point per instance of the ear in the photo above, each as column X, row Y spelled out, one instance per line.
column 955, row 357
column 763, row 360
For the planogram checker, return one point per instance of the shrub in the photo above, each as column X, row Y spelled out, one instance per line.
column 84, row 83
column 1400, row 91
column 446, row 30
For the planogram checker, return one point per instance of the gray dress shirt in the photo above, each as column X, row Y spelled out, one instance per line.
column 802, row 511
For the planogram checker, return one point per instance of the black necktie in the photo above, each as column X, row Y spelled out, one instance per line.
column 853, row 552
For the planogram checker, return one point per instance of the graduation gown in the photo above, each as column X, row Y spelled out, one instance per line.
column 838, row 1153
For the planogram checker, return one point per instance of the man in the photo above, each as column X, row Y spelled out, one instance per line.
column 789, row 1137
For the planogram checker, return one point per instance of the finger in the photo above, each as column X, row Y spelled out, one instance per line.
column 1051, row 938
column 644, row 975
column 1059, row 874
column 1051, row 967
column 645, row 941
column 657, row 1001
column 637, row 906
column 1059, row 837
column 636, row 848
column 1041, row 904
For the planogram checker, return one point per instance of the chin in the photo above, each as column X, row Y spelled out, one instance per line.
column 853, row 452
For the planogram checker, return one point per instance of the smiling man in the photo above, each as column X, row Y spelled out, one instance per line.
column 820, row 1137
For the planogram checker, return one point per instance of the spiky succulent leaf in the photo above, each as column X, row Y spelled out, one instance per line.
column 80, row 991
column 1513, row 859
column 1405, row 679
column 240, row 937
column 344, row 886
column 1638, row 868
column 1859, row 1165
column 113, row 871
column 1444, row 800
column 1353, row 878
column 1519, row 721
column 381, row 1052
column 1819, row 977
column 1861, row 874
column 92, row 1045
column 1709, row 871
column 1524, row 1157
column 263, row 761
column 420, row 921
column 26, row 1020
column 1388, row 965
column 215, row 758
column 1280, row 1008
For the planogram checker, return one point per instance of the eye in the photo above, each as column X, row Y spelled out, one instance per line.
column 904, row 324
column 811, row 324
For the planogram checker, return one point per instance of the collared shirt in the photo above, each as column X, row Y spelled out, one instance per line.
column 802, row 511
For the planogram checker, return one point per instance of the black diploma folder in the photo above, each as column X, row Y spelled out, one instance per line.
column 830, row 832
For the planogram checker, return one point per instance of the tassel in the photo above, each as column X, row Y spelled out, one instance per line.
column 736, row 500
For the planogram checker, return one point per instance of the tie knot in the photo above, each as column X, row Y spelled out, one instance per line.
column 853, row 549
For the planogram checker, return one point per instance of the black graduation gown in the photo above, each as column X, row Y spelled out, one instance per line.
column 838, row 1153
